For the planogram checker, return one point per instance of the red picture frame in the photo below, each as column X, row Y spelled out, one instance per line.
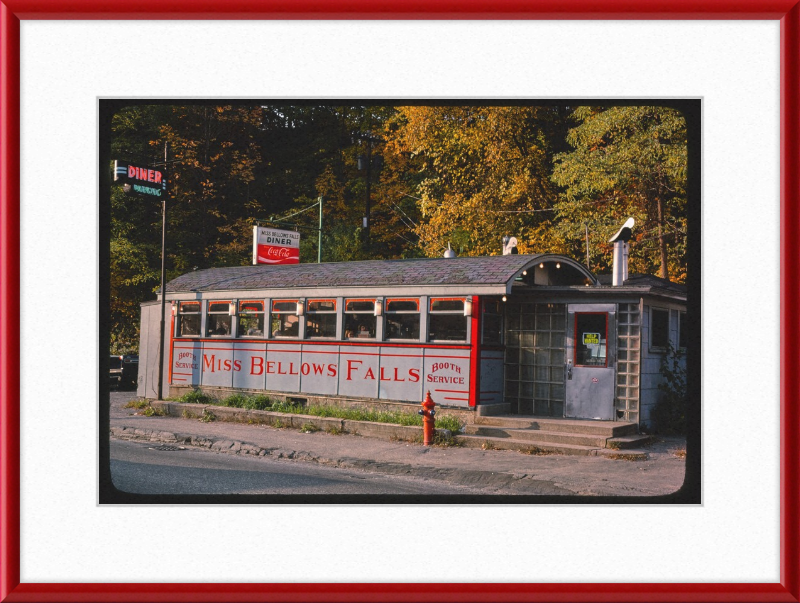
column 11, row 11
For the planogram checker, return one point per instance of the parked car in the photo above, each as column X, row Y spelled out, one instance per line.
column 124, row 371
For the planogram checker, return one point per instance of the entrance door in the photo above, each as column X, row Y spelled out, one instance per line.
column 590, row 366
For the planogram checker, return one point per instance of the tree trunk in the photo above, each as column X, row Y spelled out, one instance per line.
column 662, row 242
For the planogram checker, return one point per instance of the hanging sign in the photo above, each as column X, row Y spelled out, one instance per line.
column 273, row 246
column 138, row 179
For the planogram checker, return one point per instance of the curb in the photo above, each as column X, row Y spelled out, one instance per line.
column 461, row 477
column 384, row 431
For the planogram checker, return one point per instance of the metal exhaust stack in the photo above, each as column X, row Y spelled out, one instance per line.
column 620, row 240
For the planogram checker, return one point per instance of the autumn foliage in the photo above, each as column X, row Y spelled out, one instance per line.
column 463, row 175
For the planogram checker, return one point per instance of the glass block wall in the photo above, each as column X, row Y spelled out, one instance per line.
column 629, row 324
column 534, row 362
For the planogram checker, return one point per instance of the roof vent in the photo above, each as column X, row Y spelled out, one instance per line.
column 620, row 240
column 509, row 245
column 449, row 253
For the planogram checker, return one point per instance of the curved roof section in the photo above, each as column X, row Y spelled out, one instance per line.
column 486, row 270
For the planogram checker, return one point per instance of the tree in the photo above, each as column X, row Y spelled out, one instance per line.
column 629, row 161
column 481, row 173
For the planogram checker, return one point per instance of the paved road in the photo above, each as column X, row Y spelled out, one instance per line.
column 501, row 472
column 143, row 469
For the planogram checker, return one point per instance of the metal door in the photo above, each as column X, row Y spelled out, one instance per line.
column 591, row 359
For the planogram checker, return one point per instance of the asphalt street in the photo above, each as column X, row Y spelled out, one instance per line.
column 263, row 459
column 152, row 468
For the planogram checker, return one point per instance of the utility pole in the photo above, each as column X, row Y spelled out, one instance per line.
column 163, row 275
column 369, row 140
column 319, row 239
column 369, row 184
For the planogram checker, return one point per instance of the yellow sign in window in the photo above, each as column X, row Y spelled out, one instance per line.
column 591, row 339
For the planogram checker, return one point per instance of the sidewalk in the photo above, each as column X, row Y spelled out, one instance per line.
column 492, row 471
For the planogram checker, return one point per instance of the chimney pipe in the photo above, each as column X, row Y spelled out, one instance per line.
column 620, row 240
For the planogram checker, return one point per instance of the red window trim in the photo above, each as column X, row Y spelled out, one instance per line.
column 347, row 301
column 433, row 299
column 182, row 303
column 251, row 301
column 399, row 299
column 575, row 342
column 219, row 301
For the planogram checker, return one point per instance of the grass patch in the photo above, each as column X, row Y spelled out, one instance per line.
column 208, row 416
column 333, row 430
column 261, row 402
column 149, row 411
column 196, row 397
column 138, row 404
column 309, row 428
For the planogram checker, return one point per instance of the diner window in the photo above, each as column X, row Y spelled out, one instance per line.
column 188, row 319
column 284, row 320
column 659, row 328
column 321, row 318
column 446, row 321
column 359, row 318
column 492, row 312
column 219, row 319
column 402, row 319
column 251, row 319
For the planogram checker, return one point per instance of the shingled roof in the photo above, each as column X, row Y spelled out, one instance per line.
column 491, row 270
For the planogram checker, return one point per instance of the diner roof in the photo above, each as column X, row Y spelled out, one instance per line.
column 482, row 271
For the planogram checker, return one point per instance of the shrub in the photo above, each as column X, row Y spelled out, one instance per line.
column 669, row 415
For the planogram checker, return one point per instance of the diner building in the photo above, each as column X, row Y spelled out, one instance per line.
column 512, row 334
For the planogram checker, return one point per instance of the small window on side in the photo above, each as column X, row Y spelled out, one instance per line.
column 682, row 331
column 659, row 328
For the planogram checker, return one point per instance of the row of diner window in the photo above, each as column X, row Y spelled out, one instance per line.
column 447, row 319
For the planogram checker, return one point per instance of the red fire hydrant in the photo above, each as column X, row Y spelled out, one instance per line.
column 428, row 420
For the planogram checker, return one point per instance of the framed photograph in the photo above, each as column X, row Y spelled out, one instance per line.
column 59, row 542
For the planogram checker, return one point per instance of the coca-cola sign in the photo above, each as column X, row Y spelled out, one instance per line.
column 272, row 246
